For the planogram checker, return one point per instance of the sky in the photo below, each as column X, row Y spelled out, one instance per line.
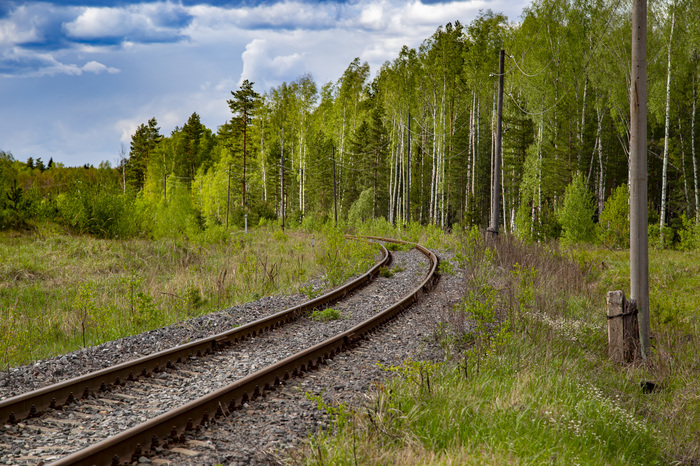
column 77, row 77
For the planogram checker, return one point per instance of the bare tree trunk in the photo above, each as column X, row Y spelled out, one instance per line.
column 685, row 179
column 583, row 122
column 601, row 182
column 476, row 144
column 497, row 164
column 667, row 135
column 692, row 146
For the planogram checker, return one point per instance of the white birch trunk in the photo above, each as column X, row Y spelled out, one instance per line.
column 685, row 179
column 667, row 127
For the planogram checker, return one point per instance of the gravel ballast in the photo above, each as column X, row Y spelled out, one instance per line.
column 260, row 432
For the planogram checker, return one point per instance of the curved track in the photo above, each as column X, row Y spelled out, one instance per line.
column 170, row 426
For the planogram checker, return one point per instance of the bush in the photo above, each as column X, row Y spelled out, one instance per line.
column 576, row 213
column 655, row 240
column 689, row 234
column 614, row 221
column 361, row 210
column 97, row 211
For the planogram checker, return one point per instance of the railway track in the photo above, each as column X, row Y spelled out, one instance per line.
column 123, row 423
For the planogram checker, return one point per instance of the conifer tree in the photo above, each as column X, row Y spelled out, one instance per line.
column 143, row 143
column 243, row 106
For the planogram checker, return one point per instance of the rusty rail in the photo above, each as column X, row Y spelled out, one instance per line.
column 169, row 428
column 31, row 404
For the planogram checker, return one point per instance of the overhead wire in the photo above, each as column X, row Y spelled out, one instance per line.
column 592, row 49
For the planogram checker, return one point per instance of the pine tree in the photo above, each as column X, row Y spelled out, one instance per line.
column 143, row 143
column 243, row 106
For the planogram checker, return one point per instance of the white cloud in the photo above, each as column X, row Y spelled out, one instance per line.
column 97, row 68
column 268, row 63
column 142, row 22
column 11, row 32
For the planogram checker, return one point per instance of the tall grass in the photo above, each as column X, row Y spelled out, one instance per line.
column 60, row 292
column 526, row 377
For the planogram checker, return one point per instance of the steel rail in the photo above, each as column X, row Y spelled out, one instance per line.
column 169, row 428
column 31, row 404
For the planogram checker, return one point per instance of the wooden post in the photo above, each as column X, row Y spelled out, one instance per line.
column 623, row 330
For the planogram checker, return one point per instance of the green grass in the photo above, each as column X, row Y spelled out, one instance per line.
column 60, row 292
column 325, row 315
column 532, row 383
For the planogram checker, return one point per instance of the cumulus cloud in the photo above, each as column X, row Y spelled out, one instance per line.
column 266, row 64
column 289, row 15
column 159, row 22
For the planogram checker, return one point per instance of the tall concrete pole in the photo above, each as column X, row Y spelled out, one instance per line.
column 335, row 191
column 496, row 186
column 639, row 241
column 408, row 175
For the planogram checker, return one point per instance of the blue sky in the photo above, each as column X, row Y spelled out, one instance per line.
column 77, row 77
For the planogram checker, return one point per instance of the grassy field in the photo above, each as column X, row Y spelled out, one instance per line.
column 60, row 292
column 532, row 384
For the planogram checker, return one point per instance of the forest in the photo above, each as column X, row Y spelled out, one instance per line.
column 414, row 141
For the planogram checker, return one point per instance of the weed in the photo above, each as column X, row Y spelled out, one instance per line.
column 446, row 267
column 385, row 272
column 325, row 315
column 310, row 291
column 398, row 247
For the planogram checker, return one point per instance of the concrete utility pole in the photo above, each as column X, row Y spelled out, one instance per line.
column 639, row 241
column 335, row 191
column 408, row 175
column 496, row 186
column 228, row 194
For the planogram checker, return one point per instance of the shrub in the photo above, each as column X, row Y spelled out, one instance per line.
column 576, row 213
column 655, row 239
column 614, row 221
column 98, row 211
column 361, row 209
column 689, row 234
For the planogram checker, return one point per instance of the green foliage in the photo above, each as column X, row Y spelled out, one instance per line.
column 398, row 247
column 689, row 235
column 656, row 241
column 385, row 272
column 325, row 315
column 98, row 211
column 614, row 221
column 341, row 258
column 310, row 291
column 361, row 210
column 576, row 213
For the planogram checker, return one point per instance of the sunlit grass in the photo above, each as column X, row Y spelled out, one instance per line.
column 531, row 383
column 60, row 292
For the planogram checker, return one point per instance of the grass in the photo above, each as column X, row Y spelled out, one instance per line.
column 529, row 381
column 325, row 315
column 60, row 292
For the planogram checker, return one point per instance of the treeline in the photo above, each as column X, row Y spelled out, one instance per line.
column 416, row 142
